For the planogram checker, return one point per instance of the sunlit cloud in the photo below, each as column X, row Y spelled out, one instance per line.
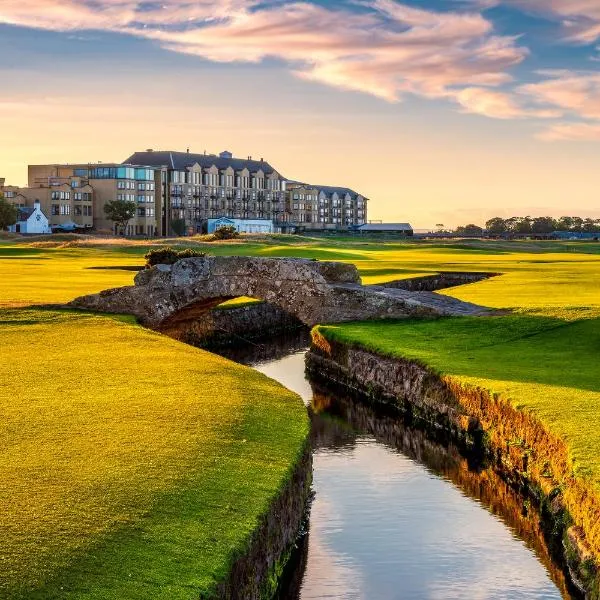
column 576, row 132
column 388, row 50
column 574, row 93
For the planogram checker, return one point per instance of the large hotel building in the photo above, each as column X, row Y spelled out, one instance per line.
column 178, row 193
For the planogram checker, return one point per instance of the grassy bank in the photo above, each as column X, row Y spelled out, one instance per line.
column 132, row 465
column 541, row 360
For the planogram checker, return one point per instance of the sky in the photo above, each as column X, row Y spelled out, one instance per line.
column 439, row 111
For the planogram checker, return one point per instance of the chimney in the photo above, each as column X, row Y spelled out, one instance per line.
column 149, row 150
column 188, row 150
column 261, row 159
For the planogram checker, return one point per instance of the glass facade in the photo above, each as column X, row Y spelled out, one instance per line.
column 138, row 174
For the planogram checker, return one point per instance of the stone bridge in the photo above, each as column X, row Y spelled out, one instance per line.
column 167, row 296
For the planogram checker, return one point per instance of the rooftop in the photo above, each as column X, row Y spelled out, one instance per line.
column 327, row 189
column 182, row 160
column 386, row 227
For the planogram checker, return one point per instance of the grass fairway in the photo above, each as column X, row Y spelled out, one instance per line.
column 135, row 511
column 132, row 466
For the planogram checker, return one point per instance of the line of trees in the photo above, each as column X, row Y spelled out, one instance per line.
column 533, row 225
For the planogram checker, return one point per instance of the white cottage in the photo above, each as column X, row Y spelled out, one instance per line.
column 31, row 220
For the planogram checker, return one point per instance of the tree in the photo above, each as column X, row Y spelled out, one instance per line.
column 8, row 213
column 121, row 212
column 470, row 229
column 523, row 225
column 591, row 225
column 496, row 226
column 543, row 225
column 564, row 224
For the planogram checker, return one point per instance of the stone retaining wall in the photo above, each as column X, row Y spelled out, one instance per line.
column 439, row 281
column 519, row 446
column 256, row 574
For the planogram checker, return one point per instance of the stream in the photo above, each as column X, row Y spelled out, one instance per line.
column 398, row 516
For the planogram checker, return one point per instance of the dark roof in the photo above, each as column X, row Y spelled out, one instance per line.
column 25, row 213
column 386, row 227
column 181, row 160
column 327, row 189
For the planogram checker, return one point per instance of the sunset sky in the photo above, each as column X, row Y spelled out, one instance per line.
column 440, row 111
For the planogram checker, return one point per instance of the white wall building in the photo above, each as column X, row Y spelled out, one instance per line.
column 242, row 225
column 31, row 220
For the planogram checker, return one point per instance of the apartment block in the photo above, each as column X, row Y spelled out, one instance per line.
column 105, row 183
column 179, row 192
column 321, row 207
column 199, row 187
column 66, row 203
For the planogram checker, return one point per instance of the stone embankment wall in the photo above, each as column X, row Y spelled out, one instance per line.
column 517, row 443
column 256, row 574
column 439, row 281
column 224, row 326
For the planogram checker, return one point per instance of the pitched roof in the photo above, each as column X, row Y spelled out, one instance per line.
column 386, row 227
column 25, row 213
column 181, row 160
column 327, row 189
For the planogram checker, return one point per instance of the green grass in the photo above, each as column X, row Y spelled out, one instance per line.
column 543, row 364
column 133, row 466
column 174, row 534
column 544, row 356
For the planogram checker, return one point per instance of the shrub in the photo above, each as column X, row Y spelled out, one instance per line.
column 227, row 232
column 169, row 256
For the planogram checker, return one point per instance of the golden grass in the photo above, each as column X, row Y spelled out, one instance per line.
column 133, row 466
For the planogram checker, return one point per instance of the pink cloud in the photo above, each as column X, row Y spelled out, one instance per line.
column 577, row 94
column 388, row 50
column 579, row 132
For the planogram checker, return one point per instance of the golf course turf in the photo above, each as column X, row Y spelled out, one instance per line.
column 69, row 373
column 133, row 466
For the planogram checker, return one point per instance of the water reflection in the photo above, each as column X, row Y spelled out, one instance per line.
column 399, row 516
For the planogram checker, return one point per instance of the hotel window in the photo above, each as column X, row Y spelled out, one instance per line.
column 121, row 185
column 77, row 196
column 141, row 211
column 77, row 211
column 87, row 211
column 9, row 194
column 149, row 212
column 55, row 210
column 65, row 209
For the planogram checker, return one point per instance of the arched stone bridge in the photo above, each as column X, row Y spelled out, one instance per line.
column 314, row 292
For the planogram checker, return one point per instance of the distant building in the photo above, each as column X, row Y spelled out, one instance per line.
column 242, row 225
column 404, row 229
column 31, row 220
column 320, row 207
column 200, row 187
column 80, row 192
column 66, row 201
column 180, row 192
